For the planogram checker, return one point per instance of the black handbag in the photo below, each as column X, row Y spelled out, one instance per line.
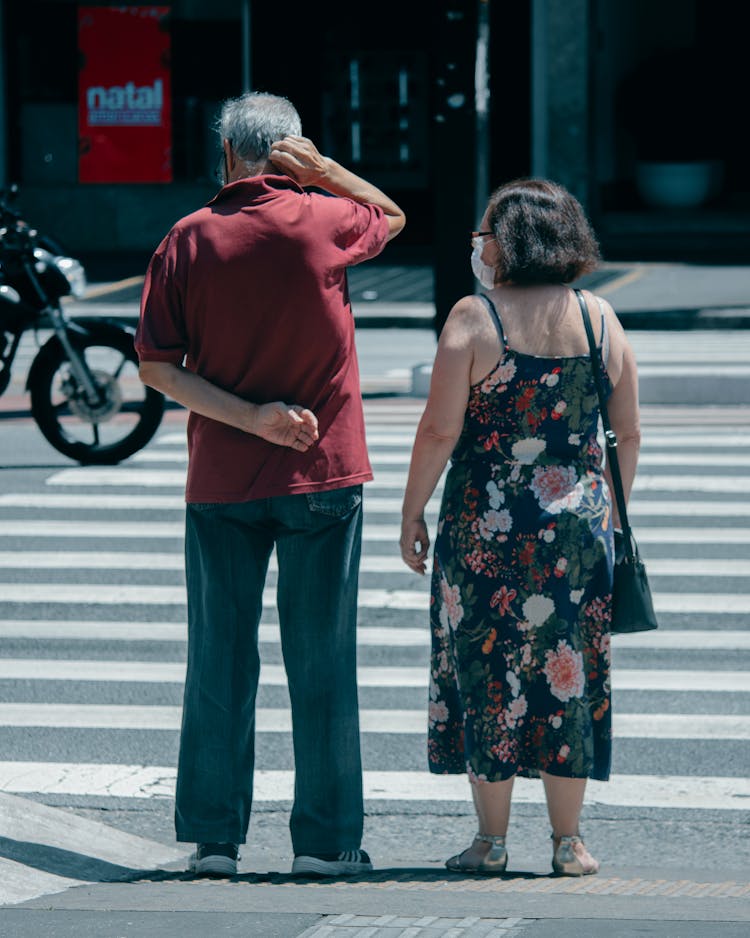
column 632, row 605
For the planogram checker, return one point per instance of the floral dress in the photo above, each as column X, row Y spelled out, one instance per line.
column 522, row 579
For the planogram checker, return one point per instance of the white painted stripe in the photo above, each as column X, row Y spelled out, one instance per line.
column 102, row 630
column 25, row 821
column 656, row 438
column 708, row 793
column 110, row 530
column 145, row 530
column 167, row 478
column 367, row 635
column 646, row 458
column 157, row 672
column 132, row 560
column 373, row 504
column 693, row 459
column 694, row 371
column 137, row 595
column 19, row 882
column 387, row 722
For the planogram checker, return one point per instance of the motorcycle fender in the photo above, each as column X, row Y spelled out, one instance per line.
column 80, row 331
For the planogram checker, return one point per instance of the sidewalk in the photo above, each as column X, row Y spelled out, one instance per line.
column 93, row 880
column 644, row 295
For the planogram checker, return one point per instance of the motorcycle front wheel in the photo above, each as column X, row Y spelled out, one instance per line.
column 122, row 422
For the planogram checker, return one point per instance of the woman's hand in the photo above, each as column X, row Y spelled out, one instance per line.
column 415, row 543
column 285, row 425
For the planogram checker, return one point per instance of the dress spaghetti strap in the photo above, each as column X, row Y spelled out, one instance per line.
column 495, row 318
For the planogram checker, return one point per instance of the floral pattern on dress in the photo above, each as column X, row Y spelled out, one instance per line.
column 521, row 585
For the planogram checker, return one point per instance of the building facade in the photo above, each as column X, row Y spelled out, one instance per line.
column 631, row 104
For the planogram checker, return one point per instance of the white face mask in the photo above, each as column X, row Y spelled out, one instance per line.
column 483, row 272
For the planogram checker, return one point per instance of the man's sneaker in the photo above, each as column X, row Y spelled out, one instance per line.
column 214, row 860
column 346, row 863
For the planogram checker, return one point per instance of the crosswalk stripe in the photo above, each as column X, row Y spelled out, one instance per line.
column 390, row 722
column 271, row 675
column 373, row 504
column 401, row 457
column 655, row 439
column 168, row 478
column 367, row 635
column 133, row 560
column 137, row 595
column 139, row 781
column 646, row 458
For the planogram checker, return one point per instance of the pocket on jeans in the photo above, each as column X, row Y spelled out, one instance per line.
column 336, row 503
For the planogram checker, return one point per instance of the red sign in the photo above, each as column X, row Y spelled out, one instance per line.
column 124, row 103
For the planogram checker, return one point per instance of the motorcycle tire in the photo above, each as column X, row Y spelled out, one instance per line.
column 49, row 416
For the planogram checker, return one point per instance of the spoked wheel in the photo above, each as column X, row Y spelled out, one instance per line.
column 123, row 418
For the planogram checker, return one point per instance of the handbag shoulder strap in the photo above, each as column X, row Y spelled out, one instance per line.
column 609, row 435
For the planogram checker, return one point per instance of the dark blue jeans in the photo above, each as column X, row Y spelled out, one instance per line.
column 318, row 540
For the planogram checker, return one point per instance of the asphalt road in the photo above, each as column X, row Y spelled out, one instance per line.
column 677, row 807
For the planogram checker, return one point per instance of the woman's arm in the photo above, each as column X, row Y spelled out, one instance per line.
column 280, row 423
column 438, row 430
column 624, row 418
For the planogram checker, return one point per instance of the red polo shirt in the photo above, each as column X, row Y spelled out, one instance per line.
column 250, row 292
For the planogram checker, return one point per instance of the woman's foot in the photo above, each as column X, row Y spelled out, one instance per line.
column 486, row 855
column 571, row 858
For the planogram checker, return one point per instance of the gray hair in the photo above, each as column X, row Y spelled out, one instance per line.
column 254, row 121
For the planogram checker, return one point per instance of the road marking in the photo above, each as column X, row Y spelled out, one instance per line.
column 148, row 530
column 133, row 560
column 390, row 722
column 272, row 675
column 105, row 289
column 168, row 478
column 367, row 635
column 373, row 504
column 646, row 458
column 656, row 435
column 141, row 595
column 709, row 793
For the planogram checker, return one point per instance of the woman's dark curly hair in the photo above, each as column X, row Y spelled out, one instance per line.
column 542, row 232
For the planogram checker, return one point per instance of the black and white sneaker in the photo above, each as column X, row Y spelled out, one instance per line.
column 346, row 863
column 214, row 860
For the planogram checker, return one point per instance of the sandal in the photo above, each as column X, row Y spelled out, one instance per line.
column 571, row 858
column 492, row 865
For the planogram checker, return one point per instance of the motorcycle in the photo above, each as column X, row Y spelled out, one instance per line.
column 86, row 396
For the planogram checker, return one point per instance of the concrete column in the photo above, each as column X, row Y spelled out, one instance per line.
column 561, row 138
column 3, row 108
column 247, row 60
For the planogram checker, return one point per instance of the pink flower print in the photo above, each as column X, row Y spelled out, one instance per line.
column 493, row 521
column 564, row 752
column 473, row 777
column 561, row 566
column 605, row 647
column 516, row 711
column 438, row 712
column 492, row 441
column 502, row 600
column 558, row 410
column 564, row 672
column 451, row 602
column 556, row 488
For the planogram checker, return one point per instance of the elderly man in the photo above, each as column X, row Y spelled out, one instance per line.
column 246, row 301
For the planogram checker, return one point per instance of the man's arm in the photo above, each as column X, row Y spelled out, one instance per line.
column 299, row 158
column 280, row 423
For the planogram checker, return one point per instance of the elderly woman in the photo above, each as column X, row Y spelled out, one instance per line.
column 522, row 566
